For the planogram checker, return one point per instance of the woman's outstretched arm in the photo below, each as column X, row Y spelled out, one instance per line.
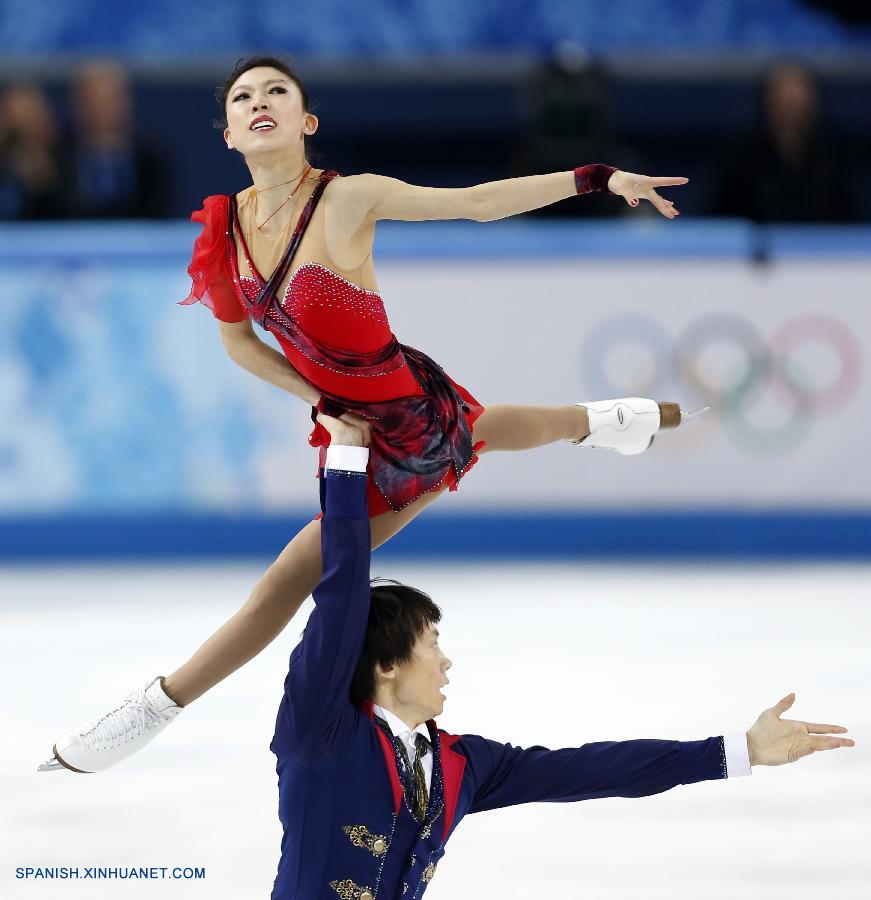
column 372, row 197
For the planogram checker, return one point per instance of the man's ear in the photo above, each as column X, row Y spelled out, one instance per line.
column 384, row 674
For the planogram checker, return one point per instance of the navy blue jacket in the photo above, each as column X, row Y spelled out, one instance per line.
column 348, row 832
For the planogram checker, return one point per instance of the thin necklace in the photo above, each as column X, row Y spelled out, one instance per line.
column 288, row 197
column 271, row 186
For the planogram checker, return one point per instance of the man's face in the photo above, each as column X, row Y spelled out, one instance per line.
column 418, row 683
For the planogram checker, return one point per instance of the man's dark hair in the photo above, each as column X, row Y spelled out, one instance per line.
column 255, row 62
column 398, row 616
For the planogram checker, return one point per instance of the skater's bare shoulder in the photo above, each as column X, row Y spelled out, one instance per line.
column 371, row 197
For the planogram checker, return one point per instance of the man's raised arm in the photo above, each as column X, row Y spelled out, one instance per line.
column 316, row 706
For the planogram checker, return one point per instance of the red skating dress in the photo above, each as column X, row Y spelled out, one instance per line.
column 336, row 335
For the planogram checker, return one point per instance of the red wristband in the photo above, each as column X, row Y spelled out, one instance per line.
column 593, row 177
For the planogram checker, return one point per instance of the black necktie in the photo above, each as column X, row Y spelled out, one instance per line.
column 421, row 746
column 414, row 775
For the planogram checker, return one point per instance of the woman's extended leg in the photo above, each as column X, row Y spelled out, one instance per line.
column 273, row 602
column 294, row 575
column 506, row 427
column 627, row 425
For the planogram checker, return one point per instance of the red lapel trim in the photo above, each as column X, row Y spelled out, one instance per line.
column 453, row 766
column 389, row 757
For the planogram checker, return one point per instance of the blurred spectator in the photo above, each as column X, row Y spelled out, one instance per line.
column 30, row 175
column 114, row 171
column 856, row 12
column 791, row 170
column 570, row 125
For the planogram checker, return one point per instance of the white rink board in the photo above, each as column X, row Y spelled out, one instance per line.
column 127, row 403
column 556, row 332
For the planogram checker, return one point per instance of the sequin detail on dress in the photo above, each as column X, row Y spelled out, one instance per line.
column 314, row 285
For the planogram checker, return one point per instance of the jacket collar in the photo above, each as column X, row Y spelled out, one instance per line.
column 397, row 726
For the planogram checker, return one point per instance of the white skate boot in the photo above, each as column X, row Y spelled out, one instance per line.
column 107, row 739
column 629, row 424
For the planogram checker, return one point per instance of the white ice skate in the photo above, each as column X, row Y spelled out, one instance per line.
column 629, row 424
column 107, row 739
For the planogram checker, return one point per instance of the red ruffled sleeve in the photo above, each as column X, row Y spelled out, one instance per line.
column 210, row 269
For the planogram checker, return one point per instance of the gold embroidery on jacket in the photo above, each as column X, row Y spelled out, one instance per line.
column 360, row 836
column 348, row 890
column 428, row 872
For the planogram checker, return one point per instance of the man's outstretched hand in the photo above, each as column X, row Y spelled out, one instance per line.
column 773, row 741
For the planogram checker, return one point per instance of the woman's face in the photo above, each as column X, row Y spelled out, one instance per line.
column 265, row 113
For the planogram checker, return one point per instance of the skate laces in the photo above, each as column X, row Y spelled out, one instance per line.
column 135, row 714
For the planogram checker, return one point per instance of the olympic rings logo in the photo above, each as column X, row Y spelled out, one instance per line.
column 765, row 393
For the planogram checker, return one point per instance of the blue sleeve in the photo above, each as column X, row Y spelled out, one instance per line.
column 316, row 710
column 504, row 775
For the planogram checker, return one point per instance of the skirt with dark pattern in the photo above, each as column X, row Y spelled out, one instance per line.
column 420, row 443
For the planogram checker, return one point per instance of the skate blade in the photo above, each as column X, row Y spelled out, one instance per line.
column 693, row 414
column 51, row 765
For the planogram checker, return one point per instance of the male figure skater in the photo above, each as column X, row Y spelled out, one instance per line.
column 370, row 789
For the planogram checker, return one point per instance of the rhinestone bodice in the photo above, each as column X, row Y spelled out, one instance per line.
column 331, row 308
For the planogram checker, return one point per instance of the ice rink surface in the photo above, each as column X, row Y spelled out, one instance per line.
column 548, row 654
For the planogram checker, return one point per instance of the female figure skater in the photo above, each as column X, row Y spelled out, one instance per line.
column 293, row 253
